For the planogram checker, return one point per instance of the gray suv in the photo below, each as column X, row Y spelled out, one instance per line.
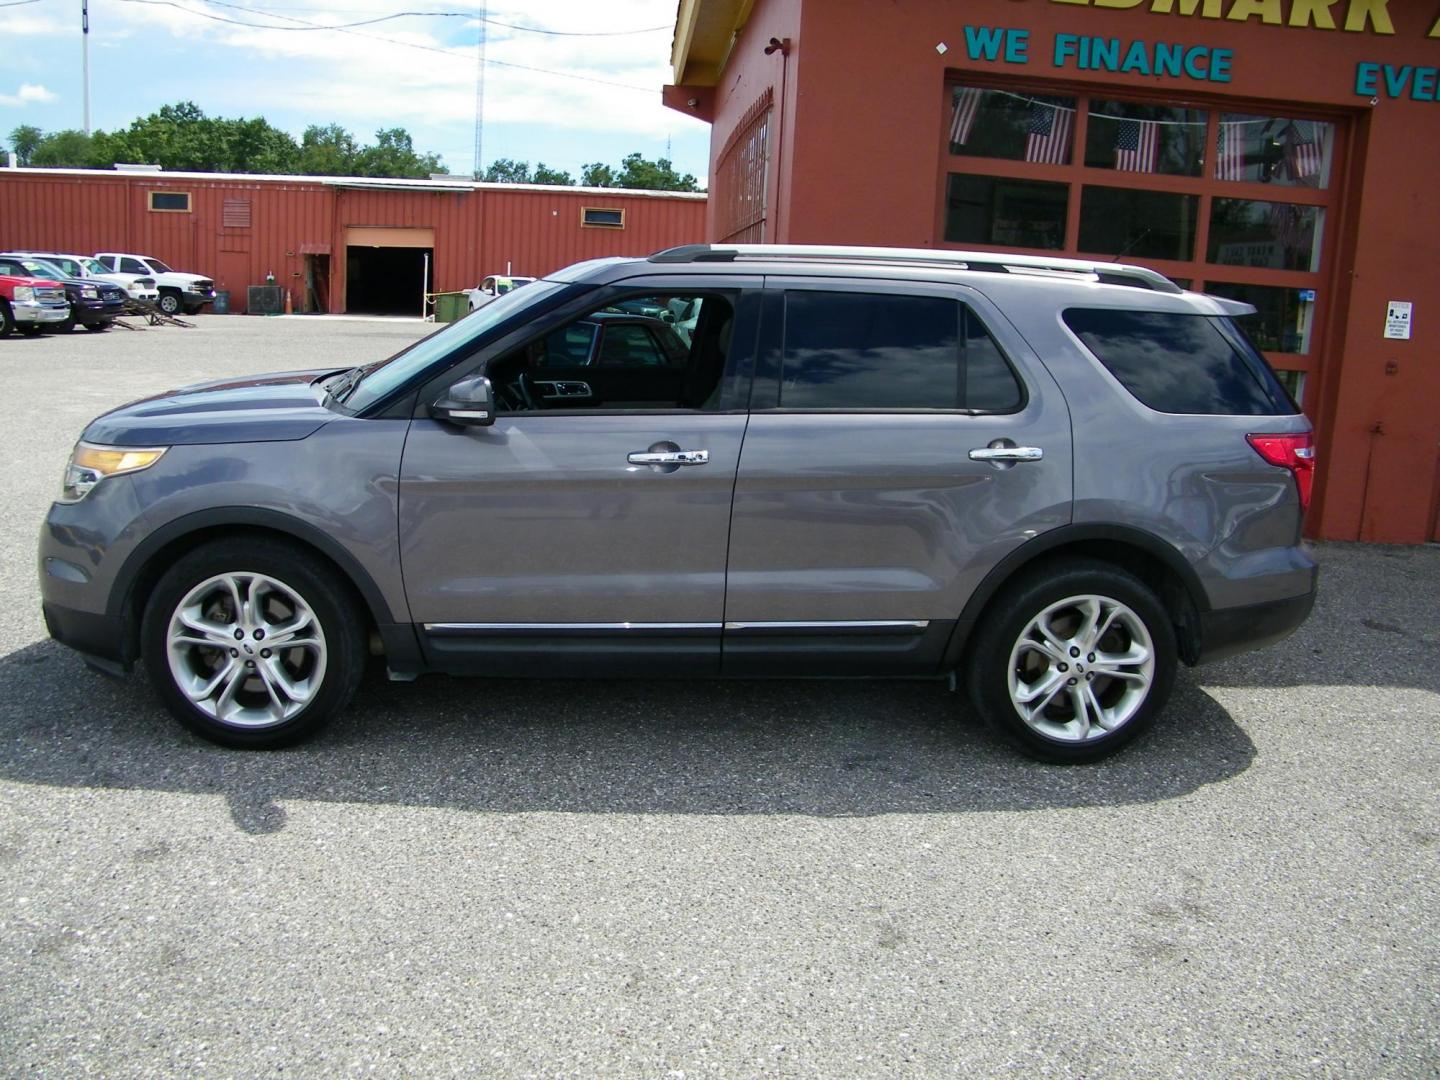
column 1042, row 479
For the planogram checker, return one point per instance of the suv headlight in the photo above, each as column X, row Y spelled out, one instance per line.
column 89, row 292
column 90, row 464
column 24, row 294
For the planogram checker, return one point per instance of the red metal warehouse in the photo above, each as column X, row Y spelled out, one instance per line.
column 338, row 244
column 1283, row 152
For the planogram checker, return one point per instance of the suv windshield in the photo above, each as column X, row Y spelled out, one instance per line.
column 400, row 368
column 95, row 266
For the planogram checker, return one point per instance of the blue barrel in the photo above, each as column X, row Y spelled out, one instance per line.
column 221, row 305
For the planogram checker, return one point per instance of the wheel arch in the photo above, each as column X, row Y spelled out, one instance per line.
column 145, row 565
column 1157, row 563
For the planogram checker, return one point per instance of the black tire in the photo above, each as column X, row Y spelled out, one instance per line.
column 62, row 327
column 341, row 626
column 98, row 327
column 169, row 303
column 7, row 320
column 997, row 641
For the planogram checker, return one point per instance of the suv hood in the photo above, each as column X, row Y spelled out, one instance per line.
column 266, row 408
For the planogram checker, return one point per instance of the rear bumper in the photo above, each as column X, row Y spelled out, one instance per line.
column 1230, row 631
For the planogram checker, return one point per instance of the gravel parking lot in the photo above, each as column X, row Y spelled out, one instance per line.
column 693, row 879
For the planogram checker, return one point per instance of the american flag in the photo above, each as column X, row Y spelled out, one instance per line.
column 1136, row 145
column 1302, row 151
column 967, row 105
column 1049, row 138
column 1231, row 165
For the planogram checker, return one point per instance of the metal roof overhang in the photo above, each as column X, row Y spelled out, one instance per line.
column 705, row 32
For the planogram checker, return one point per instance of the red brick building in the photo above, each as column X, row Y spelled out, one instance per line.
column 1283, row 152
column 339, row 244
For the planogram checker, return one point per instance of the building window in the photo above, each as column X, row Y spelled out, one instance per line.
column 1138, row 224
column 594, row 217
column 1132, row 137
column 1019, row 127
column 1006, row 212
column 1229, row 203
column 1274, row 150
column 173, row 202
column 742, row 175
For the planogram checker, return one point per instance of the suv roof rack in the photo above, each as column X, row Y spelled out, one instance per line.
column 991, row 261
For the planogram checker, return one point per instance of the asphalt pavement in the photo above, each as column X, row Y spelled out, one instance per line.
column 683, row 879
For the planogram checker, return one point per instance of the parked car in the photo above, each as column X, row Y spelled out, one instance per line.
column 139, row 287
column 1045, row 480
column 493, row 287
column 95, row 305
column 186, row 293
column 30, row 303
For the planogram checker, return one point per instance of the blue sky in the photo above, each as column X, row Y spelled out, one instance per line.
column 414, row 72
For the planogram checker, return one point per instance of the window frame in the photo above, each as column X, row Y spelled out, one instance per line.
column 745, row 292
column 1323, row 280
column 586, row 211
column 150, row 202
column 769, row 371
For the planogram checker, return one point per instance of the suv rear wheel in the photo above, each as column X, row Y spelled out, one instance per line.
column 1073, row 662
column 253, row 644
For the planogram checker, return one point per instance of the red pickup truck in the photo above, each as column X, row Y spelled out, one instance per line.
column 30, row 303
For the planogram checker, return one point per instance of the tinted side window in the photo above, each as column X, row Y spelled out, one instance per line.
column 1177, row 363
column 864, row 351
column 990, row 385
column 134, row 266
column 873, row 351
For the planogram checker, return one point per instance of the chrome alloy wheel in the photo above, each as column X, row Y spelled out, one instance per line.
column 1081, row 668
column 246, row 649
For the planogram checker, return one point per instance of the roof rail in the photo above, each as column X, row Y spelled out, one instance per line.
column 992, row 261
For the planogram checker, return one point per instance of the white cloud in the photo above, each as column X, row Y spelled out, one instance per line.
column 419, row 72
column 28, row 94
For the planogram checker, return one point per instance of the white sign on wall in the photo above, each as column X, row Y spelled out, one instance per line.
column 1397, row 319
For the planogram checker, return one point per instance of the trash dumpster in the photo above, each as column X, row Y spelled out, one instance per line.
column 451, row 306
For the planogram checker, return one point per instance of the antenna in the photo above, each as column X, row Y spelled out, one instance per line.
column 478, row 167
column 85, row 57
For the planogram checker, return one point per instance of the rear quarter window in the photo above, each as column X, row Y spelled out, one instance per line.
column 1180, row 363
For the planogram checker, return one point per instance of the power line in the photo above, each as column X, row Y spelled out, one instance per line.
column 343, row 29
column 18, row 3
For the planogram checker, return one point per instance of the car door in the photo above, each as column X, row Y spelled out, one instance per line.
column 903, row 439
column 579, row 535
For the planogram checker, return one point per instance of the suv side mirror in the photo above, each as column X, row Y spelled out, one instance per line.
column 469, row 403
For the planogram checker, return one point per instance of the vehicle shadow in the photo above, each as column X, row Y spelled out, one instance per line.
column 830, row 749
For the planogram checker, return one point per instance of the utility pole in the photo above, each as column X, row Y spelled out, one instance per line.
column 85, row 57
column 479, row 165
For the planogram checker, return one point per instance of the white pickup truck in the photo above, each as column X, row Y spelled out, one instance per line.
column 137, row 286
column 178, row 292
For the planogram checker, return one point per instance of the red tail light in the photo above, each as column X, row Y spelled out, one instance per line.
column 1295, row 452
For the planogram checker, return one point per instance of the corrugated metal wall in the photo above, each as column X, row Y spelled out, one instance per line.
column 477, row 232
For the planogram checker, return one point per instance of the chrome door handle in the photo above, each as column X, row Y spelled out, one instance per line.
column 1007, row 453
column 670, row 457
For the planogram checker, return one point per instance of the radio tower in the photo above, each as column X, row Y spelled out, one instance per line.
column 479, row 164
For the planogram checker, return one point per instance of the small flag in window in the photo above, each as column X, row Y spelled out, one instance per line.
column 1136, row 145
column 1048, row 140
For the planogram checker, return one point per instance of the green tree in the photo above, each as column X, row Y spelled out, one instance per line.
column 597, row 175
column 327, row 151
column 546, row 175
column 253, row 146
column 507, row 171
column 394, row 155
column 24, row 140
column 658, row 175
column 64, row 150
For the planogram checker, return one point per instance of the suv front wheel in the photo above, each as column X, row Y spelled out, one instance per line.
column 1074, row 661
column 252, row 644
